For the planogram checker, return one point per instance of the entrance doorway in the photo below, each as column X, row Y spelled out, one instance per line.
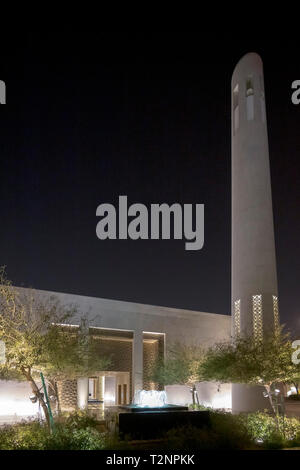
column 110, row 388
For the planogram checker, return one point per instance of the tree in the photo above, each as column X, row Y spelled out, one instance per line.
column 180, row 367
column 35, row 341
column 252, row 362
column 69, row 353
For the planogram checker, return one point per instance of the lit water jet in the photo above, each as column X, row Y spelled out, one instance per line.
column 150, row 398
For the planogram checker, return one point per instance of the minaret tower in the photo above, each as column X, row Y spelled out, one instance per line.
column 254, row 279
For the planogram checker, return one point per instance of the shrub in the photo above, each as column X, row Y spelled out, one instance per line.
column 76, row 420
column 226, row 431
column 262, row 428
column 6, row 437
column 198, row 407
column 24, row 436
column 274, row 441
column 243, row 431
column 75, row 431
column 232, row 432
column 75, row 439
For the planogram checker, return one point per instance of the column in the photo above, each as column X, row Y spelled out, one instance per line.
column 101, row 387
column 137, row 361
column 83, row 382
column 82, row 392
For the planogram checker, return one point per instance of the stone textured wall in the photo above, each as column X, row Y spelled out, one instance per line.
column 67, row 392
column 153, row 347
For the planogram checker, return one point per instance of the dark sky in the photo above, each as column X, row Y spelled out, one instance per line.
column 91, row 116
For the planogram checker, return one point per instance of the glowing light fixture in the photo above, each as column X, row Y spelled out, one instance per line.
column 33, row 398
column 292, row 391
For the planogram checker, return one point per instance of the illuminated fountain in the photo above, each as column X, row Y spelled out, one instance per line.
column 150, row 398
column 150, row 416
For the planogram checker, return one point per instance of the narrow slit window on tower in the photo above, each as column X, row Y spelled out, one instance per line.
column 262, row 100
column 249, row 87
column 250, row 98
column 235, row 105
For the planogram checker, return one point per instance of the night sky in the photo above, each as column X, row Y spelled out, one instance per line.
column 93, row 116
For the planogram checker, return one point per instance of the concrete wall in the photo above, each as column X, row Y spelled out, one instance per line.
column 210, row 394
column 187, row 326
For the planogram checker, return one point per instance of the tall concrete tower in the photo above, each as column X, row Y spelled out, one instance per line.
column 254, row 279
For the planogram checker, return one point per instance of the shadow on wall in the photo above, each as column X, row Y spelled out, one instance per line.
column 210, row 394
